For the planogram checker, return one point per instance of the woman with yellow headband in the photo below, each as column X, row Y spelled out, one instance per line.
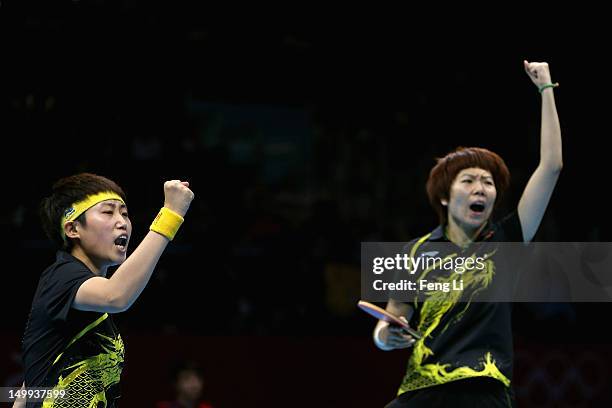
column 71, row 346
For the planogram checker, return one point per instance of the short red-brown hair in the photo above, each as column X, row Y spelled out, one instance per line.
column 446, row 169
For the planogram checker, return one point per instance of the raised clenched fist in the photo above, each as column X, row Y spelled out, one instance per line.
column 177, row 196
column 538, row 72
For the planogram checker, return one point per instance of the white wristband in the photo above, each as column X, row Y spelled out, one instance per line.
column 377, row 340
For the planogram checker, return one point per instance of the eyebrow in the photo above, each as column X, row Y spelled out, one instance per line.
column 474, row 176
column 112, row 204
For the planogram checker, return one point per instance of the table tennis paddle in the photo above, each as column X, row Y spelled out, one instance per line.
column 382, row 314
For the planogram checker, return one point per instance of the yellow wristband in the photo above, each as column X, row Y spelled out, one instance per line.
column 166, row 223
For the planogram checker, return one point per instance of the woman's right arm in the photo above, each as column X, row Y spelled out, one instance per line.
column 118, row 293
column 388, row 337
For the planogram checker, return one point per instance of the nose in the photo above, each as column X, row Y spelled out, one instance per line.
column 121, row 222
column 479, row 188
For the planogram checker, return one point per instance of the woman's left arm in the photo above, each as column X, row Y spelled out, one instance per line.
column 538, row 191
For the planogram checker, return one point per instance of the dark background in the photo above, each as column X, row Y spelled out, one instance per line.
column 300, row 139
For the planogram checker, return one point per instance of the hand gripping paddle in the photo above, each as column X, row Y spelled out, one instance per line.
column 382, row 314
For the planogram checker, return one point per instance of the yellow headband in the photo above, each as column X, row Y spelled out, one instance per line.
column 80, row 207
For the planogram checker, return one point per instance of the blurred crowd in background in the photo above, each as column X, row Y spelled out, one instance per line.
column 299, row 144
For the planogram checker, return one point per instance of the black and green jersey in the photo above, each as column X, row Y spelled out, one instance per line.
column 79, row 352
column 462, row 337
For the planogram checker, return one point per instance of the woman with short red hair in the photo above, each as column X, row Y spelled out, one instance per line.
column 464, row 356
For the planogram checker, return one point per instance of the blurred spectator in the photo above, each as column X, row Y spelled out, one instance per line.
column 189, row 385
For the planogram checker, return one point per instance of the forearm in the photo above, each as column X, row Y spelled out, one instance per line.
column 550, row 133
column 132, row 276
column 20, row 402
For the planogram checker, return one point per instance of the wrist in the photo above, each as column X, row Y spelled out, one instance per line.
column 547, row 85
column 167, row 223
column 177, row 210
column 380, row 343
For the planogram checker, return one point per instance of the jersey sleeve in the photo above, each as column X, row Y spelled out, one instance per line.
column 62, row 288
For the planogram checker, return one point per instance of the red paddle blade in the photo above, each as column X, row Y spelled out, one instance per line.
column 382, row 314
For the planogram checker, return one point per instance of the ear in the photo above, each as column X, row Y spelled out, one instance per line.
column 70, row 229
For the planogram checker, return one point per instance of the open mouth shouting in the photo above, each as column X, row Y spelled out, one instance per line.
column 121, row 242
column 477, row 208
